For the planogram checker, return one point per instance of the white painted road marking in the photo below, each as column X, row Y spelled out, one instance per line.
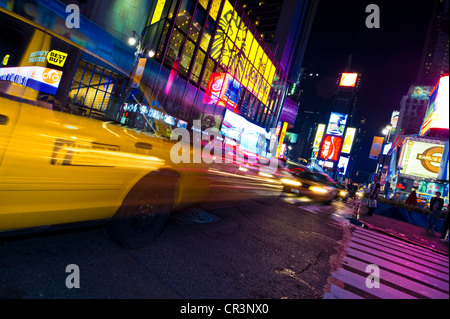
column 407, row 271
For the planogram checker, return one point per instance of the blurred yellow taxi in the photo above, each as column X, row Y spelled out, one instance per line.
column 305, row 183
column 58, row 168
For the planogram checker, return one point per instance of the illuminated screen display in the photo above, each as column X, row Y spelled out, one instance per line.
column 387, row 148
column 35, row 77
column 430, row 188
column 437, row 115
column 251, row 66
column 247, row 135
column 319, row 135
column 222, row 90
column 342, row 165
column 331, row 147
column 421, row 159
column 348, row 140
column 348, row 79
column 291, row 137
column 336, row 125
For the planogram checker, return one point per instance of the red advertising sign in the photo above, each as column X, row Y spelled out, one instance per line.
column 331, row 147
column 222, row 90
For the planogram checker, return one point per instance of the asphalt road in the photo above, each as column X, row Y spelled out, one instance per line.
column 260, row 249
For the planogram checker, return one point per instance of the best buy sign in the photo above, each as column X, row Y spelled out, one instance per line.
column 57, row 58
column 53, row 57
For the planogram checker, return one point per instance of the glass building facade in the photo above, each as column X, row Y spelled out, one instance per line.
column 208, row 58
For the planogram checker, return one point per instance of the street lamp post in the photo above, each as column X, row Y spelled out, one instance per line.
column 137, row 40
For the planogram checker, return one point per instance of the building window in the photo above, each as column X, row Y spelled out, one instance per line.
column 92, row 90
column 185, row 15
column 175, row 43
column 197, row 68
column 208, row 71
column 186, row 58
column 197, row 24
column 215, row 7
column 207, row 34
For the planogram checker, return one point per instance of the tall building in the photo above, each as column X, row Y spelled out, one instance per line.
column 412, row 110
column 285, row 26
column 435, row 62
column 305, row 128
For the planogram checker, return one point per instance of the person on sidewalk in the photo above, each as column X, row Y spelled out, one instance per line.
column 412, row 199
column 445, row 226
column 436, row 205
column 373, row 195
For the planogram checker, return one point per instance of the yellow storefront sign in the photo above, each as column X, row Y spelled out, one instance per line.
column 57, row 58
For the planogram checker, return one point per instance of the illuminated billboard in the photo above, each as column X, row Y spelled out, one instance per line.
column 348, row 79
column 342, row 165
column 35, row 77
column 240, row 53
column 336, row 125
column 247, row 136
column 421, row 158
column 291, row 137
column 377, row 144
column 348, row 140
column 319, row 135
column 222, row 90
column 331, row 147
column 437, row 115
column 394, row 119
column 387, row 148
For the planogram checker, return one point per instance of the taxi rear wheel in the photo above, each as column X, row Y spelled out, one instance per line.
column 143, row 215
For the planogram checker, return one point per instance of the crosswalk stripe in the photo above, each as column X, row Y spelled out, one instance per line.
column 409, row 251
column 406, row 271
column 398, row 242
column 388, row 276
column 371, row 259
column 358, row 281
column 340, row 293
column 396, row 256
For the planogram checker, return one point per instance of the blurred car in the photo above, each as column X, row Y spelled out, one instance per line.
column 63, row 169
column 342, row 191
column 306, row 183
column 328, row 181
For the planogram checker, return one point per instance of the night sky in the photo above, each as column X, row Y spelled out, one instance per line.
column 387, row 58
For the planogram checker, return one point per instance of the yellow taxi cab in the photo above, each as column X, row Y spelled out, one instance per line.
column 58, row 168
column 303, row 182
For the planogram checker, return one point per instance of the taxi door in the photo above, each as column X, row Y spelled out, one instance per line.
column 61, row 168
column 9, row 112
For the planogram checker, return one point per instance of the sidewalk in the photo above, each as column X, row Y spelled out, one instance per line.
column 406, row 231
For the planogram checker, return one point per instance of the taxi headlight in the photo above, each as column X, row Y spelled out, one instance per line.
column 290, row 182
column 360, row 194
column 317, row 189
column 265, row 175
column 343, row 193
column 243, row 169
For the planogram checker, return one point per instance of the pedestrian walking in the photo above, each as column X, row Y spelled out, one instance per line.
column 436, row 205
column 373, row 194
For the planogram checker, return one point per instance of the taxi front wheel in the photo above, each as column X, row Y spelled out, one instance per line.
column 143, row 215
